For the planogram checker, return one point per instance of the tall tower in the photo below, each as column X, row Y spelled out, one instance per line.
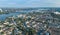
column 1, row 10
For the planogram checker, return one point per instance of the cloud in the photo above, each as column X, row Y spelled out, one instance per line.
column 29, row 3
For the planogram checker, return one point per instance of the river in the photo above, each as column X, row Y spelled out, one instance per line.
column 3, row 16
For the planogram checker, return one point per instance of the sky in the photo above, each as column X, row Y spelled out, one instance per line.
column 29, row 3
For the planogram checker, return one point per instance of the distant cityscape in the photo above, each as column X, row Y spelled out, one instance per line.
column 30, row 21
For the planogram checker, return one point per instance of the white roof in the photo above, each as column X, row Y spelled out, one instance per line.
column 56, row 12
